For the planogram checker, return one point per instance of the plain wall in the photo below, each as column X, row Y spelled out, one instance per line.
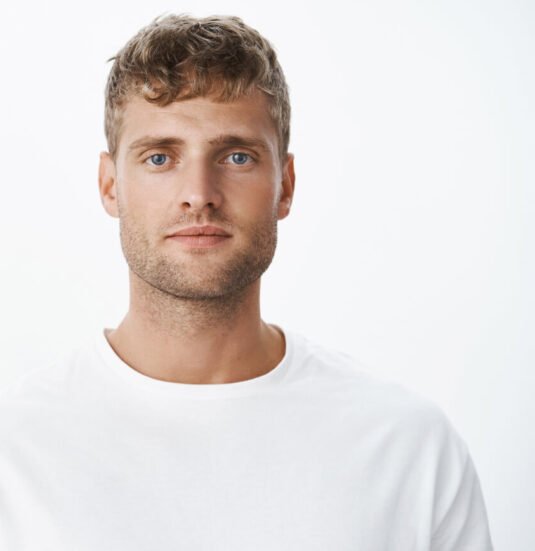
column 410, row 241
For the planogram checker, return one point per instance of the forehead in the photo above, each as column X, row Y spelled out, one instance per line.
column 199, row 118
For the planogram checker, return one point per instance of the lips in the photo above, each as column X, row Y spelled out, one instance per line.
column 197, row 238
column 201, row 230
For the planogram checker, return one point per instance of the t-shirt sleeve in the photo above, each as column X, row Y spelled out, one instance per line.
column 460, row 521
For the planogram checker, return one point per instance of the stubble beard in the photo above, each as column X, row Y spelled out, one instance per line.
column 208, row 278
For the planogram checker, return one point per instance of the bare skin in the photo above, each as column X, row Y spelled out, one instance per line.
column 194, row 313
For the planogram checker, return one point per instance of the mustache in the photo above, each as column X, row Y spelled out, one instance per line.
column 201, row 220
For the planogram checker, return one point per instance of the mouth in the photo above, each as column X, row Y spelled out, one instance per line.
column 200, row 241
column 200, row 237
column 193, row 231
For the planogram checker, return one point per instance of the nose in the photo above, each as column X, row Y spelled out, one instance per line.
column 198, row 187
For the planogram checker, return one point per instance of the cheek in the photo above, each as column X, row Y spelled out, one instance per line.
column 140, row 198
column 259, row 200
column 141, row 213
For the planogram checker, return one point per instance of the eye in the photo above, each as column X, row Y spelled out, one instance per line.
column 240, row 158
column 158, row 159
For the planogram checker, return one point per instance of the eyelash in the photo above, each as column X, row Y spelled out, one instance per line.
column 249, row 157
column 154, row 155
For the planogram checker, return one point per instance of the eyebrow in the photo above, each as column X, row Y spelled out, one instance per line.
column 229, row 140
column 235, row 140
column 155, row 141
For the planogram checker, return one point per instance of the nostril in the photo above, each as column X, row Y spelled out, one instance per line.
column 210, row 205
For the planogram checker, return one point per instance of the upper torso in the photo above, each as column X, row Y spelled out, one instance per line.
column 314, row 455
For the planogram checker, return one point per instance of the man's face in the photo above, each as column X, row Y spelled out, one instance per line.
column 198, row 162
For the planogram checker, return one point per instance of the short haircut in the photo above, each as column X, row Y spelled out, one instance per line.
column 178, row 57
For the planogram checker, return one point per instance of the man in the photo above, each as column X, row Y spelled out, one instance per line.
column 194, row 424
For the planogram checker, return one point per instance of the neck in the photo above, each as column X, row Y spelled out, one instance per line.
column 215, row 340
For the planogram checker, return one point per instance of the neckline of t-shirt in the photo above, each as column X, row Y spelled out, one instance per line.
column 116, row 365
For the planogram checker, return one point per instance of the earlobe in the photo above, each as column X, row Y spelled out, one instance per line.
column 107, row 184
column 288, row 187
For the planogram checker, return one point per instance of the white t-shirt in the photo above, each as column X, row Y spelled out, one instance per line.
column 316, row 455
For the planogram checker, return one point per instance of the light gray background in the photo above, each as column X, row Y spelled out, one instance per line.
column 410, row 240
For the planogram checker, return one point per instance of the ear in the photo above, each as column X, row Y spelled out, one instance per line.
column 107, row 184
column 288, row 187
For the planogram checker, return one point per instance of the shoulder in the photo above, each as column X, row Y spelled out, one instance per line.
column 42, row 399
column 347, row 384
column 50, row 382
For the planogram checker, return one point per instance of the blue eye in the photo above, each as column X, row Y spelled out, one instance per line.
column 158, row 159
column 240, row 158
